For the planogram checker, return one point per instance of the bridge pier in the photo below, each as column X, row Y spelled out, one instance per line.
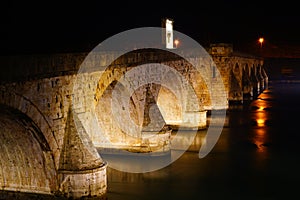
column 255, row 83
column 194, row 120
column 261, row 79
column 247, row 85
column 83, row 183
column 236, row 90
column 82, row 172
column 266, row 79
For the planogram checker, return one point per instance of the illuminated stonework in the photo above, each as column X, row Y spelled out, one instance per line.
column 43, row 92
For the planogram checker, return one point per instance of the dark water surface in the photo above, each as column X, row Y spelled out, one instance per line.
column 256, row 157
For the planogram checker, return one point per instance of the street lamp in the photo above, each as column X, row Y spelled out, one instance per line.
column 261, row 40
column 176, row 42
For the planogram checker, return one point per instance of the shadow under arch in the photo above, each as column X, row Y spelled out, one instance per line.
column 27, row 107
column 27, row 162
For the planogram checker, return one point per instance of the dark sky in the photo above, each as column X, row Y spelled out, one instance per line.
column 66, row 26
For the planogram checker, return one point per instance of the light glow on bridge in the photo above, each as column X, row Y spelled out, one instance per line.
column 176, row 42
column 261, row 41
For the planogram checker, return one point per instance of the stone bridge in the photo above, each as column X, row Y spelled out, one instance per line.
column 49, row 110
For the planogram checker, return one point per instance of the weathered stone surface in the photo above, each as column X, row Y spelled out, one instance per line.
column 45, row 88
column 26, row 160
column 84, row 183
column 78, row 152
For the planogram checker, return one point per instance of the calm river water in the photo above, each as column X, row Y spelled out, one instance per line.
column 256, row 157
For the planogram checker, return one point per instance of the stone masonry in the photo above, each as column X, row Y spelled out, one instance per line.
column 54, row 108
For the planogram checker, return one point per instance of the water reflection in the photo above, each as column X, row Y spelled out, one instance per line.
column 262, row 106
column 260, row 139
column 260, row 118
column 260, row 121
column 261, row 115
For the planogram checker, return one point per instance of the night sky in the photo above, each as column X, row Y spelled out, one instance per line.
column 76, row 26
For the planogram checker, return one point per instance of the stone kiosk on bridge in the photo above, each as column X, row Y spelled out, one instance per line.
column 48, row 140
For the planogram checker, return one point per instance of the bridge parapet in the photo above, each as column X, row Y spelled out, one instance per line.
column 38, row 66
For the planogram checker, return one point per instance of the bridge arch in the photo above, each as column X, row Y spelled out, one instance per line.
column 126, row 62
column 28, row 108
column 108, row 123
column 114, row 72
column 260, row 77
column 247, row 84
column 171, row 113
column 26, row 161
column 247, row 70
column 235, row 83
column 255, row 81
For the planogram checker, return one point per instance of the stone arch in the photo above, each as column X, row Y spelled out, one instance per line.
column 265, row 76
column 255, row 81
column 171, row 108
column 26, row 161
column 24, row 105
column 260, row 77
column 118, row 70
column 235, row 83
column 108, row 122
column 247, row 85
column 247, row 69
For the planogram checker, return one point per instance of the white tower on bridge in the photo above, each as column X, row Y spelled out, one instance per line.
column 168, row 36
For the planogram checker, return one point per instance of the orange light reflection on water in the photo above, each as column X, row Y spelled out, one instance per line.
column 260, row 139
column 260, row 118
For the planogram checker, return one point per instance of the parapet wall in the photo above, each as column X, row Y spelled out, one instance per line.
column 27, row 67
